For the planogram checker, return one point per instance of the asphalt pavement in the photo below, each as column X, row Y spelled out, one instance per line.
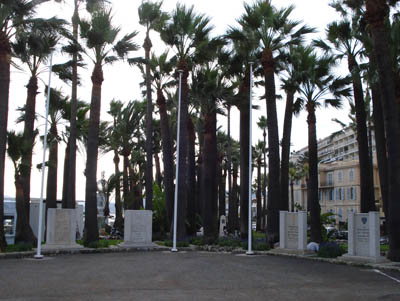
column 190, row 276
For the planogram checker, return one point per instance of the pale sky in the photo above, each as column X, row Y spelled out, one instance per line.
column 122, row 81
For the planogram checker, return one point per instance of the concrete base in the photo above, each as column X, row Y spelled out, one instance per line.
column 363, row 259
column 130, row 245
column 291, row 251
column 52, row 247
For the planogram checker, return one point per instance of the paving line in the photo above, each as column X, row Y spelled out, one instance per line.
column 382, row 273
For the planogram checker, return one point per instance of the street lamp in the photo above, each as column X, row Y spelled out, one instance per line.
column 249, row 251
column 39, row 238
column 174, row 249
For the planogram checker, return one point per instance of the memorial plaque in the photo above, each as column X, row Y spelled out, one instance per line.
column 292, row 231
column 138, row 228
column 63, row 227
column 361, row 232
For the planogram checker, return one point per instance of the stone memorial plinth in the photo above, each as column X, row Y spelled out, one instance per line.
column 138, row 228
column 61, row 229
column 363, row 238
column 292, row 232
column 222, row 226
column 79, row 220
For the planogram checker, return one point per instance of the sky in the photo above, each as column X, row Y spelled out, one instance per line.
column 122, row 81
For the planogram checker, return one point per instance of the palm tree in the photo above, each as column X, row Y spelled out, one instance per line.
column 263, row 124
column 113, row 138
column 150, row 16
column 377, row 14
column 33, row 48
column 342, row 36
column 56, row 107
column 316, row 87
column 17, row 147
column 295, row 173
column 100, row 36
column 258, row 152
column 274, row 31
column 209, row 87
column 290, row 83
column 15, row 15
column 187, row 33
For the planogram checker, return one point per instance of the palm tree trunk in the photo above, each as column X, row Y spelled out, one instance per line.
column 235, row 188
column 264, row 191
column 51, row 189
column 287, row 129
column 380, row 144
column 191, row 179
column 119, row 221
column 209, row 187
column 71, row 198
column 5, row 59
column 366, row 180
column 127, row 192
column 182, row 172
column 168, row 159
column 29, row 137
column 158, row 169
column 149, row 128
column 244, row 169
column 66, row 175
column 377, row 13
column 91, row 230
column 273, row 148
column 315, row 209
column 258, row 195
column 23, row 233
column 222, row 188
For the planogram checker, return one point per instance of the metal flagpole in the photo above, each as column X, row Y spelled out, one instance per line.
column 249, row 251
column 39, row 238
column 174, row 249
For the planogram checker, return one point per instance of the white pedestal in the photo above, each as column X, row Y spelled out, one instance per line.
column 61, row 229
column 138, row 228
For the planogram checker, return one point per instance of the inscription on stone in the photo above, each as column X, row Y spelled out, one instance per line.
column 292, row 231
column 361, row 235
column 63, row 229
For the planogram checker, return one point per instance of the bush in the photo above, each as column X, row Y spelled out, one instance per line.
column 19, row 247
column 330, row 250
column 159, row 210
column 229, row 242
column 197, row 241
column 179, row 244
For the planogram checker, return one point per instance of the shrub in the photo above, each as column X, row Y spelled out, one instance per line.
column 159, row 210
column 330, row 250
column 19, row 247
column 197, row 241
column 179, row 244
column 229, row 242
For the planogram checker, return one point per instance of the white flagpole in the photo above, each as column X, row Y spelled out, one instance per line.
column 39, row 238
column 174, row 249
column 249, row 250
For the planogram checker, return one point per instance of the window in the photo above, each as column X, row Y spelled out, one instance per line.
column 351, row 175
column 340, row 177
column 330, row 178
column 339, row 194
column 330, row 195
column 319, row 195
column 352, row 193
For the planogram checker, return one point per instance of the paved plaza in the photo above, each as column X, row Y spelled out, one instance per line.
column 190, row 276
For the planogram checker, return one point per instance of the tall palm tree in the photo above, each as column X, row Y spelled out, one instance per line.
column 258, row 152
column 295, row 173
column 377, row 14
column 33, row 48
column 318, row 84
column 100, row 36
column 188, row 34
column 150, row 16
column 273, row 29
column 209, row 87
column 342, row 36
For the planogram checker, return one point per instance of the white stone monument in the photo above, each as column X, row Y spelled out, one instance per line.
column 292, row 232
column 79, row 220
column 61, row 229
column 222, row 226
column 138, row 228
column 363, row 238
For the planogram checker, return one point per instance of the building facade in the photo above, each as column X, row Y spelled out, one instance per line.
column 338, row 176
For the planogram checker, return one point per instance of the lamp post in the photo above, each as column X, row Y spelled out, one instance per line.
column 249, row 250
column 174, row 249
column 39, row 238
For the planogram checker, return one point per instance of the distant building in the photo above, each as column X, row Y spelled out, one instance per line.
column 338, row 176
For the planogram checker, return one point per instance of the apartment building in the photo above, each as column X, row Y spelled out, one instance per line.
column 339, row 176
